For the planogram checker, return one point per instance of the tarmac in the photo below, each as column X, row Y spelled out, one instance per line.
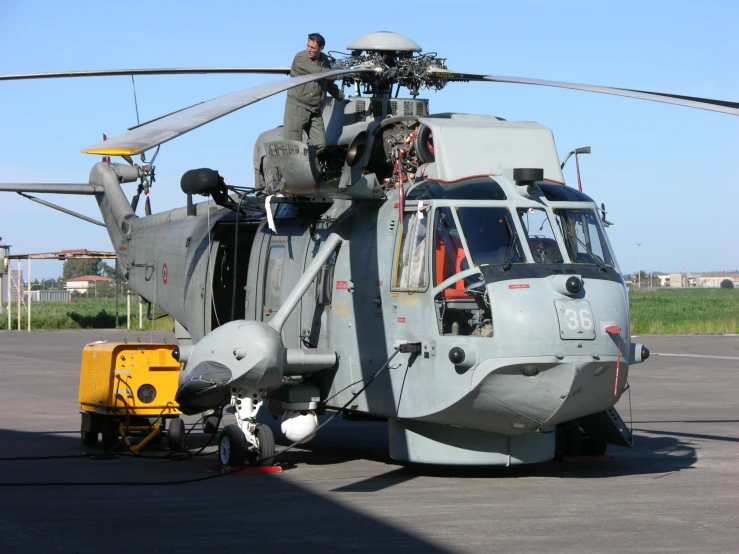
column 675, row 491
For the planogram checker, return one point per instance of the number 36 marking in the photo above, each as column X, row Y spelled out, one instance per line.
column 576, row 320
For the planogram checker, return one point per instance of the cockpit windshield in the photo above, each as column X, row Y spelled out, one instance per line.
column 489, row 232
column 584, row 238
column 539, row 234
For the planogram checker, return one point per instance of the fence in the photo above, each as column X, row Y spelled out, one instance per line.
column 50, row 295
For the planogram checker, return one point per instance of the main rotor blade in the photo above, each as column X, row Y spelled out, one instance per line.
column 180, row 122
column 172, row 71
column 53, row 188
column 722, row 106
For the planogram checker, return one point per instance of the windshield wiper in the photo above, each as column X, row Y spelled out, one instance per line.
column 512, row 235
column 600, row 262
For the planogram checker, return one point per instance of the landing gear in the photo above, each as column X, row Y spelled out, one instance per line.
column 234, row 450
column 571, row 441
column 247, row 441
column 232, row 447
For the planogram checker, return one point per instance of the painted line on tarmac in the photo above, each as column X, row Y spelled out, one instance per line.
column 696, row 356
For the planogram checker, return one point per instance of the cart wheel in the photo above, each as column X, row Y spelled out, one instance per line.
column 89, row 438
column 109, row 429
column 176, row 434
column 210, row 424
column 266, row 446
column 232, row 448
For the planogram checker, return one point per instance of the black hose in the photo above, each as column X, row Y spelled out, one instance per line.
column 236, row 258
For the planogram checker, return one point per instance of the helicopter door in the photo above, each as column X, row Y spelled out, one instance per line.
column 281, row 266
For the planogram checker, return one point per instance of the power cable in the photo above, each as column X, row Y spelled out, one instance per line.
column 406, row 348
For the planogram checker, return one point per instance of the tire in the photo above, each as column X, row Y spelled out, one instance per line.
column 89, row 438
column 593, row 447
column 266, row 446
column 568, row 440
column 109, row 430
column 176, row 434
column 232, row 447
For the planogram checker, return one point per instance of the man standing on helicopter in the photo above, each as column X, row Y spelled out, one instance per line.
column 303, row 106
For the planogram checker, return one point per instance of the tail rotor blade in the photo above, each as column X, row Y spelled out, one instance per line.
column 135, row 199
column 147, row 204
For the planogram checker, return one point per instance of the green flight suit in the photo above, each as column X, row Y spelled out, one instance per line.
column 303, row 106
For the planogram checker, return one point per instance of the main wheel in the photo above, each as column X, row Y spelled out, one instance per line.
column 266, row 446
column 232, row 448
column 176, row 434
column 593, row 447
column 568, row 440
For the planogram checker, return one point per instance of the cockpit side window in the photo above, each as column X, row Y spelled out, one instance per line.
column 411, row 270
column 539, row 234
column 583, row 236
column 449, row 254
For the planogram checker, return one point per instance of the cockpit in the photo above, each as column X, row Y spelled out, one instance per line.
column 459, row 236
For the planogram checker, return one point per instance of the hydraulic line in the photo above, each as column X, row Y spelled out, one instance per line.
column 407, row 347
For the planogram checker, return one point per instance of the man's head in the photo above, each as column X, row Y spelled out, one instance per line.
column 315, row 45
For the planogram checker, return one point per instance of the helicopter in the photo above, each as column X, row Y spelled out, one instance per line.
column 430, row 270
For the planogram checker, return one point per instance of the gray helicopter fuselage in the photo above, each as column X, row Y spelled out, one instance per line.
column 505, row 351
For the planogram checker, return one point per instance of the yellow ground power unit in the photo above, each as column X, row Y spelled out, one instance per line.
column 127, row 390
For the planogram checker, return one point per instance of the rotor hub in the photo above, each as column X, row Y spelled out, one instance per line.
column 396, row 60
column 383, row 41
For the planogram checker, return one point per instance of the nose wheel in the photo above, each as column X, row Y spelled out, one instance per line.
column 235, row 450
column 247, row 441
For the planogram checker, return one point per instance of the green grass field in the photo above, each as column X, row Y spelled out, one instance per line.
column 97, row 313
column 685, row 312
column 659, row 312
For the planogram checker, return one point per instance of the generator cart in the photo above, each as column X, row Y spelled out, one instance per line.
column 127, row 390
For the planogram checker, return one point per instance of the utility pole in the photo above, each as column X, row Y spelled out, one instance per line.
column 638, row 263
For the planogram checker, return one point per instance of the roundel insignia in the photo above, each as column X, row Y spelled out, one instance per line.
column 164, row 273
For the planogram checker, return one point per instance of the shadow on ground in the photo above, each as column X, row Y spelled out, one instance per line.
column 254, row 513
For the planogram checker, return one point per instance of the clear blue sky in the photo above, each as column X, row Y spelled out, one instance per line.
column 668, row 175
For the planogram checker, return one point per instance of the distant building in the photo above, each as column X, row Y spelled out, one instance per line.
column 673, row 280
column 85, row 283
column 713, row 280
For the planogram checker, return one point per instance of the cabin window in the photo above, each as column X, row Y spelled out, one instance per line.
column 411, row 270
column 273, row 278
column 325, row 280
column 583, row 236
column 539, row 235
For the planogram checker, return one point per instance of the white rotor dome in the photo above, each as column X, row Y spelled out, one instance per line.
column 384, row 41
